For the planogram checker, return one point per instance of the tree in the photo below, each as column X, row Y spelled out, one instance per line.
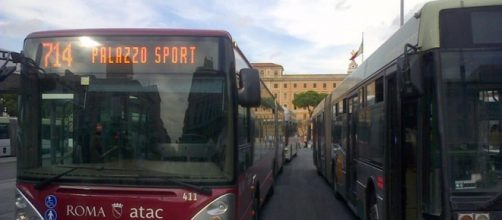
column 309, row 99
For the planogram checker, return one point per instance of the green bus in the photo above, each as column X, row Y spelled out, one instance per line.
column 415, row 131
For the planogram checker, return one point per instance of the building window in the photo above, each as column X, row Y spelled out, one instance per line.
column 315, row 85
column 334, row 85
column 294, row 106
column 285, row 95
column 275, row 73
column 276, row 86
column 294, row 85
column 285, row 85
column 285, row 105
column 304, row 85
column 324, row 85
column 262, row 72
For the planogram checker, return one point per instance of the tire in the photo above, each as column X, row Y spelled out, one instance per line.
column 372, row 208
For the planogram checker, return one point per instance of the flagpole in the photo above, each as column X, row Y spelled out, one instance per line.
column 362, row 52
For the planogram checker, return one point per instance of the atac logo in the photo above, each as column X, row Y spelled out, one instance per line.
column 117, row 210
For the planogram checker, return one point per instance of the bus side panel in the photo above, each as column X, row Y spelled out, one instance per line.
column 367, row 186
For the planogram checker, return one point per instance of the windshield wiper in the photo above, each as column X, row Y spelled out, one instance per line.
column 201, row 189
column 49, row 180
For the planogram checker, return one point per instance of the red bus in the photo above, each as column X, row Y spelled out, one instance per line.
column 141, row 124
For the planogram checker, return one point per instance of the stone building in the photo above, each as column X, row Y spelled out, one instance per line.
column 285, row 86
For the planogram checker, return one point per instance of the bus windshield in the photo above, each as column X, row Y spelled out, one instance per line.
column 472, row 91
column 4, row 131
column 133, row 105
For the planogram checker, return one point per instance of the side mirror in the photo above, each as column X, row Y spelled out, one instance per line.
column 410, row 73
column 8, row 57
column 249, row 91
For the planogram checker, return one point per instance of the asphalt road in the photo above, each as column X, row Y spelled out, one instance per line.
column 302, row 194
column 7, row 187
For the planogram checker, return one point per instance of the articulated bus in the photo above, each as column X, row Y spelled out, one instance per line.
column 142, row 124
column 415, row 131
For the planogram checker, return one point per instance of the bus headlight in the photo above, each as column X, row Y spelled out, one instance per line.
column 482, row 216
column 465, row 217
column 474, row 216
column 24, row 209
column 222, row 208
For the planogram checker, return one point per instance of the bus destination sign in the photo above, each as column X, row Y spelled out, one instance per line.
column 62, row 55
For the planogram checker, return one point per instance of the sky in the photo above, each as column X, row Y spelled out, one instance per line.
column 304, row 36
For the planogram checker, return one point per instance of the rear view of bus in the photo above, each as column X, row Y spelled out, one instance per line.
column 127, row 124
column 5, row 148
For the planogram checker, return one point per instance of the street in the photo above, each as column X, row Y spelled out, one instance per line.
column 7, row 187
column 302, row 194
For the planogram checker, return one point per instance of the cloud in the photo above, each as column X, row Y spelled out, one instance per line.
column 305, row 36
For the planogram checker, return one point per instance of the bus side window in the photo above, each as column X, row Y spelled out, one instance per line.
column 245, row 149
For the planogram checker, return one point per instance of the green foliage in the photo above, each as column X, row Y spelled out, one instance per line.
column 268, row 102
column 309, row 99
column 8, row 101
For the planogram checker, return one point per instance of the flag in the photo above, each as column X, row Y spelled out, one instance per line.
column 358, row 52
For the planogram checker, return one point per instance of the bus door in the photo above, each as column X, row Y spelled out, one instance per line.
column 353, row 102
column 401, row 165
column 409, row 157
column 392, row 168
column 321, row 144
column 314, row 142
column 342, row 155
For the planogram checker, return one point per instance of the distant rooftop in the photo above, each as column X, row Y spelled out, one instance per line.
column 266, row 65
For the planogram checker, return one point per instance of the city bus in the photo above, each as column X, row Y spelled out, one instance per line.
column 5, row 137
column 291, row 133
column 415, row 131
column 141, row 124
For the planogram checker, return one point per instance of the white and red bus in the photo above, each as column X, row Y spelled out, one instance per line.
column 141, row 124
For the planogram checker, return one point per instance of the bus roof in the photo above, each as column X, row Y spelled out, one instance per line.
column 130, row 31
column 429, row 15
column 319, row 108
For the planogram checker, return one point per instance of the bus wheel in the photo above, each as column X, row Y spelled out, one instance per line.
column 256, row 207
column 372, row 208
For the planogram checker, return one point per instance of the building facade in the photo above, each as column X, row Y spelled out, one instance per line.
column 285, row 86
